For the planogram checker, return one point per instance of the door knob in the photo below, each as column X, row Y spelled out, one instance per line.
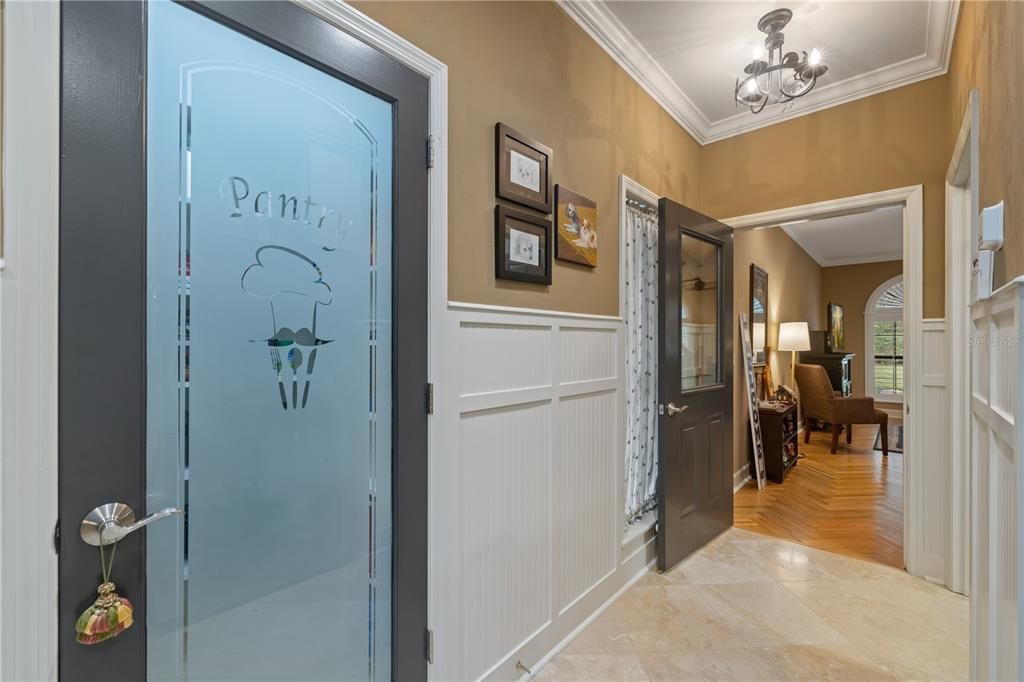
column 110, row 522
column 673, row 410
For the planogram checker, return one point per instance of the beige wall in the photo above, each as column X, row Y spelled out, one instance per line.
column 988, row 54
column 893, row 139
column 850, row 286
column 531, row 66
column 794, row 295
column 542, row 74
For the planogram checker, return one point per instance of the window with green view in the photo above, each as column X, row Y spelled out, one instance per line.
column 888, row 357
column 884, row 318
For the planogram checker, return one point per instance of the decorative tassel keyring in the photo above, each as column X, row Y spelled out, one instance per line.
column 110, row 614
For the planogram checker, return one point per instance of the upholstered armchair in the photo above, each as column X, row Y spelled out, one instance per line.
column 821, row 402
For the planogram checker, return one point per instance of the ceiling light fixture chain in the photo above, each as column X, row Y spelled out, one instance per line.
column 775, row 77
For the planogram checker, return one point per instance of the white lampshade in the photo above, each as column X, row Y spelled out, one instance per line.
column 759, row 334
column 794, row 336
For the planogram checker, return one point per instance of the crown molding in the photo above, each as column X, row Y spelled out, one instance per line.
column 594, row 17
column 863, row 260
column 827, row 262
column 599, row 23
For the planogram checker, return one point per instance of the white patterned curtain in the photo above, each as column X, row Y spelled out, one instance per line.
column 641, row 315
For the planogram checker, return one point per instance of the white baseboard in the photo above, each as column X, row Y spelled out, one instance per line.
column 583, row 626
column 740, row 477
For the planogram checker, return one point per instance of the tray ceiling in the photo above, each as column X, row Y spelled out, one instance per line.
column 688, row 54
column 868, row 237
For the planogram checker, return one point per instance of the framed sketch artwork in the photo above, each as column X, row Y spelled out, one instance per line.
column 522, row 246
column 522, row 169
column 576, row 227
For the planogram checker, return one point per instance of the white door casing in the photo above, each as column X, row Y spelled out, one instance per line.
column 962, row 208
column 926, row 495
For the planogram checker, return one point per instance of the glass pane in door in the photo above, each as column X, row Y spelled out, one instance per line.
column 699, row 311
column 269, row 362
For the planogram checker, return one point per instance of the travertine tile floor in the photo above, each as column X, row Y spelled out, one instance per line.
column 751, row 607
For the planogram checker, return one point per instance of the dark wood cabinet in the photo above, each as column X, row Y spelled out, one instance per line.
column 779, row 436
column 838, row 365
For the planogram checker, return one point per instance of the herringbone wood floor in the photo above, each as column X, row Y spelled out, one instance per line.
column 850, row 503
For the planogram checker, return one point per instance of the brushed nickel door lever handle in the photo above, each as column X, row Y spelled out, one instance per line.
column 673, row 409
column 110, row 522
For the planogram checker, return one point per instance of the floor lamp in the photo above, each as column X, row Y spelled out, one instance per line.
column 794, row 337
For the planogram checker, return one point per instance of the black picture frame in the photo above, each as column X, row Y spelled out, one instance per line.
column 516, row 154
column 759, row 309
column 535, row 245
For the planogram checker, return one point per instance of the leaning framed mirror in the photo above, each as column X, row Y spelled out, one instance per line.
column 759, row 314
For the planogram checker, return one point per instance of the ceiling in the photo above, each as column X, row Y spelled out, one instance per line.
column 687, row 54
column 868, row 237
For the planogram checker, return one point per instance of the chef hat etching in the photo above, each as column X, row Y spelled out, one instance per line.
column 294, row 288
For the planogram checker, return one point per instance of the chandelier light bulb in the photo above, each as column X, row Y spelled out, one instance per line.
column 751, row 86
column 815, row 58
column 758, row 52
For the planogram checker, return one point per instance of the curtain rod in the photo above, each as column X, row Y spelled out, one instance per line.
column 641, row 205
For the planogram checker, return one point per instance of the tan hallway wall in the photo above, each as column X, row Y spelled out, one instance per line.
column 850, row 286
column 794, row 295
column 531, row 66
column 542, row 74
column 988, row 54
column 892, row 139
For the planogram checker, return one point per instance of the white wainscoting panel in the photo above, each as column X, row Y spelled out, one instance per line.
column 504, row 357
column 506, row 476
column 586, row 547
column 587, row 354
column 527, row 537
column 28, row 340
column 930, row 459
column 997, row 360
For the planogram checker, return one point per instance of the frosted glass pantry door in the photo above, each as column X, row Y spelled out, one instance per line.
column 269, row 361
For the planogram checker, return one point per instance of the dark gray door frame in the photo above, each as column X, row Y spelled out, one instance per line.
column 102, row 304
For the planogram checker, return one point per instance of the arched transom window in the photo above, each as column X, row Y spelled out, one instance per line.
column 883, row 327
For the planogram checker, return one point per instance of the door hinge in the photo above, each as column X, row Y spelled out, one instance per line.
column 430, row 151
column 56, row 537
column 428, row 645
column 430, row 398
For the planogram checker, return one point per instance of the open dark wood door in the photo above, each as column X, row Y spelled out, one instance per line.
column 694, row 382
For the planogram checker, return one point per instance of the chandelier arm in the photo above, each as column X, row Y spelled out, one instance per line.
column 792, row 94
column 756, row 76
column 804, row 91
column 758, row 110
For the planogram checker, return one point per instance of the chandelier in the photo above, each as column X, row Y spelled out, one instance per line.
column 773, row 77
